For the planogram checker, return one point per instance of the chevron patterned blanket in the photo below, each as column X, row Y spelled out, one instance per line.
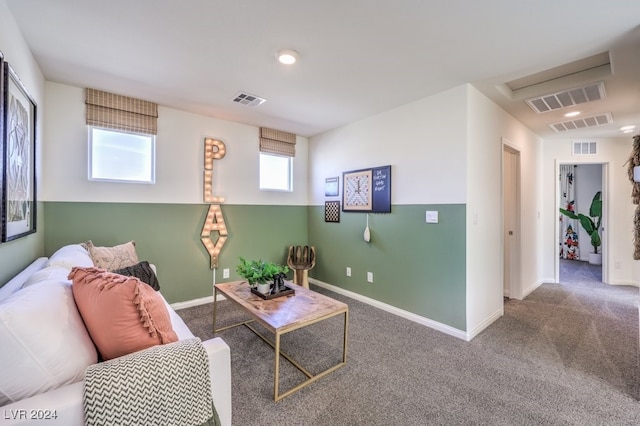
column 162, row 385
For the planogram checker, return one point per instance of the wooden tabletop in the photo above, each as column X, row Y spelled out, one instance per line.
column 283, row 313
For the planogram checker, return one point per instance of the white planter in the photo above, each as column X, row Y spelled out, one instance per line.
column 264, row 288
column 595, row 258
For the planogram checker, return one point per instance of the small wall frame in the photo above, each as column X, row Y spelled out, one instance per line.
column 332, row 211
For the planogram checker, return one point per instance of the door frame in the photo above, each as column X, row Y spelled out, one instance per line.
column 515, row 290
column 605, row 225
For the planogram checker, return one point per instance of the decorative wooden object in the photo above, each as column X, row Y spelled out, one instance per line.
column 214, row 149
column 634, row 161
column 286, row 292
column 301, row 260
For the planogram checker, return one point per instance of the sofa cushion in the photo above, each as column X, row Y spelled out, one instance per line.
column 43, row 341
column 17, row 282
column 50, row 273
column 122, row 314
column 111, row 258
column 69, row 256
column 142, row 271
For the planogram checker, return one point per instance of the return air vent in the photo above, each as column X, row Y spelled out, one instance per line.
column 248, row 99
column 585, row 148
column 581, row 123
column 567, row 98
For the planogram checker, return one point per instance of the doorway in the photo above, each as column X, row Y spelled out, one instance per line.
column 579, row 185
column 511, row 221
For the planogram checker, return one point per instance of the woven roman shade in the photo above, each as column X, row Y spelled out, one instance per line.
column 277, row 142
column 119, row 112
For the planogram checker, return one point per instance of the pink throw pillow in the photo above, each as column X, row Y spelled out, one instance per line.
column 122, row 314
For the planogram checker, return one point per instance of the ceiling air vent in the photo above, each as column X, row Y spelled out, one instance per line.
column 248, row 99
column 567, row 98
column 581, row 123
column 585, row 148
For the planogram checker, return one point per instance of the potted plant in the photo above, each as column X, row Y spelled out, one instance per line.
column 591, row 225
column 260, row 274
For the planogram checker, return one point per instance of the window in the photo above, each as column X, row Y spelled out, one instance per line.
column 275, row 172
column 121, row 156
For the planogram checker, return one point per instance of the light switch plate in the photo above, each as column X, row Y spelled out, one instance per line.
column 431, row 216
column 225, row 273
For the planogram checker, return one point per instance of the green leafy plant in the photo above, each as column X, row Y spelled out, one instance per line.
column 259, row 271
column 591, row 223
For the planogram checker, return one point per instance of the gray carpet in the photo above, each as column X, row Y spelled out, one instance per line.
column 567, row 354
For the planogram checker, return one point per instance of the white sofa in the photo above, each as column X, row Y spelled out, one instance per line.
column 53, row 389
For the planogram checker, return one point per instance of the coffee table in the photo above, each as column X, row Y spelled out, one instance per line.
column 282, row 315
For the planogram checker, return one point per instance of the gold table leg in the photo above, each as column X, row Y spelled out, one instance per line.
column 311, row 378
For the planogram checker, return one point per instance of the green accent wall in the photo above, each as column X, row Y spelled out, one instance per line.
column 417, row 266
column 168, row 235
column 18, row 254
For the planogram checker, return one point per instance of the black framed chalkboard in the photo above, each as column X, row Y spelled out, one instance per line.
column 367, row 190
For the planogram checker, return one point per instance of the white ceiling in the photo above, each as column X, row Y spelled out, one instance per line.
column 357, row 57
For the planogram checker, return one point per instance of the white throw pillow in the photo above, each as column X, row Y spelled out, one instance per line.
column 43, row 339
column 70, row 256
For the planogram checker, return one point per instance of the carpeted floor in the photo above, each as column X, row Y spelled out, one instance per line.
column 567, row 354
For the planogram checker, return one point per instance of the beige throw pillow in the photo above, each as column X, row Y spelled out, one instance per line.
column 115, row 257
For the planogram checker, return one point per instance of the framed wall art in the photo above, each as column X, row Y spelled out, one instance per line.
column 332, row 211
column 356, row 190
column 332, row 186
column 18, row 158
column 367, row 190
column 2, row 86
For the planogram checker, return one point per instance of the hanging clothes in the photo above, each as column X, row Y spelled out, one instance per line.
column 569, row 245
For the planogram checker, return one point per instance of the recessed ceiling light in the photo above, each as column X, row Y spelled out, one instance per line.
column 287, row 56
column 572, row 114
column 627, row 128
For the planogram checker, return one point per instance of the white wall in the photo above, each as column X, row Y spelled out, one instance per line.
column 179, row 159
column 488, row 126
column 426, row 137
column 18, row 55
column 449, row 151
column 17, row 254
column 617, row 218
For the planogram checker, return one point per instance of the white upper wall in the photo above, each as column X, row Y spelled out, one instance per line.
column 17, row 254
column 18, row 55
column 618, row 213
column 426, row 137
column 489, row 126
column 179, row 159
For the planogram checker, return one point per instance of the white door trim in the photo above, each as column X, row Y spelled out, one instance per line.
column 606, row 190
column 515, row 289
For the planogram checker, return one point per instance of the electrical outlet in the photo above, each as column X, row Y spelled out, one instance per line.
column 370, row 277
column 348, row 271
column 225, row 273
column 617, row 264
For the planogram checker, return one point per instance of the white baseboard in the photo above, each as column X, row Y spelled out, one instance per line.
column 527, row 291
column 484, row 324
column 629, row 283
column 396, row 311
column 195, row 302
